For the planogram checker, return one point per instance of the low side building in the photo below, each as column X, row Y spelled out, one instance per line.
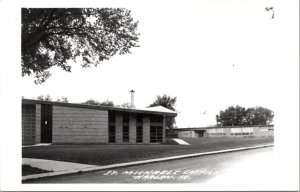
column 56, row 122
column 224, row 131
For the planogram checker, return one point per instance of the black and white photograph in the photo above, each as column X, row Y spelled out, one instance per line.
column 187, row 95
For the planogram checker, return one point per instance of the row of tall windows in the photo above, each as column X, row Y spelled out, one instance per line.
column 156, row 128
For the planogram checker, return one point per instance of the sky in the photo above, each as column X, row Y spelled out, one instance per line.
column 210, row 55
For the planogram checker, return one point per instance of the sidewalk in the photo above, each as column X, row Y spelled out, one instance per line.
column 55, row 166
column 63, row 168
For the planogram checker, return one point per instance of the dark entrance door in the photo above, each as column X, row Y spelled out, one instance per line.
column 46, row 123
column 201, row 133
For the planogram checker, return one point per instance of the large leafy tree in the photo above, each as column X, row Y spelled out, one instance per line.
column 52, row 36
column 239, row 116
column 232, row 116
column 169, row 103
column 259, row 116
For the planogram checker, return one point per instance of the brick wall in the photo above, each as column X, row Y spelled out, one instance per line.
column 38, row 123
column 262, row 131
column 28, row 124
column 132, row 129
column 119, row 128
column 146, row 129
column 79, row 125
column 187, row 134
column 235, row 131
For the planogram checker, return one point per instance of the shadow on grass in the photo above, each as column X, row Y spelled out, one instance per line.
column 28, row 170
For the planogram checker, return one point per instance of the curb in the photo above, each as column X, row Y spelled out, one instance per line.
column 98, row 168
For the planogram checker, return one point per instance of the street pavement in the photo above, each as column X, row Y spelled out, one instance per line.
column 225, row 167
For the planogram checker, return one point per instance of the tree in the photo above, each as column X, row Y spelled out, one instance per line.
column 63, row 100
column 260, row 116
column 232, row 116
column 239, row 116
column 53, row 36
column 125, row 105
column 106, row 103
column 44, row 98
column 91, row 102
column 169, row 103
column 270, row 9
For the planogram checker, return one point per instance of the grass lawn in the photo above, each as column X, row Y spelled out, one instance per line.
column 28, row 170
column 111, row 154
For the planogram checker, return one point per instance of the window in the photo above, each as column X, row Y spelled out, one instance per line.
column 156, row 128
column 156, row 133
column 112, row 134
column 111, row 116
column 139, row 118
column 125, row 133
column 111, row 127
column 126, row 118
column 153, row 134
column 125, row 127
column 139, row 134
column 156, row 118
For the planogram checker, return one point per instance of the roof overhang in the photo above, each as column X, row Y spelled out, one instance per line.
column 218, row 127
column 146, row 110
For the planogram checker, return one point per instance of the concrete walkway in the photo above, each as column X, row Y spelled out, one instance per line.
column 181, row 142
column 36, row 145
column 56, row 166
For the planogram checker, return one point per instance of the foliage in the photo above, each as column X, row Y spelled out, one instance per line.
column 169, row 103
column 49, row 98
column 91, row 102
column 232, row 116
column 106, row 103
column 63, row 100
column 52, row 36
column 260, row 116
column 240, row 116
column 165, row 101
column 44, row 98
column 124, row 105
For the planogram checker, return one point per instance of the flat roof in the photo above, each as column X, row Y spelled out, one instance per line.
column 218, row 127
column 157, row 111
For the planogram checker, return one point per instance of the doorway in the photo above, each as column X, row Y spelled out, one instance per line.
column 46, row 123
column 201, row 133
